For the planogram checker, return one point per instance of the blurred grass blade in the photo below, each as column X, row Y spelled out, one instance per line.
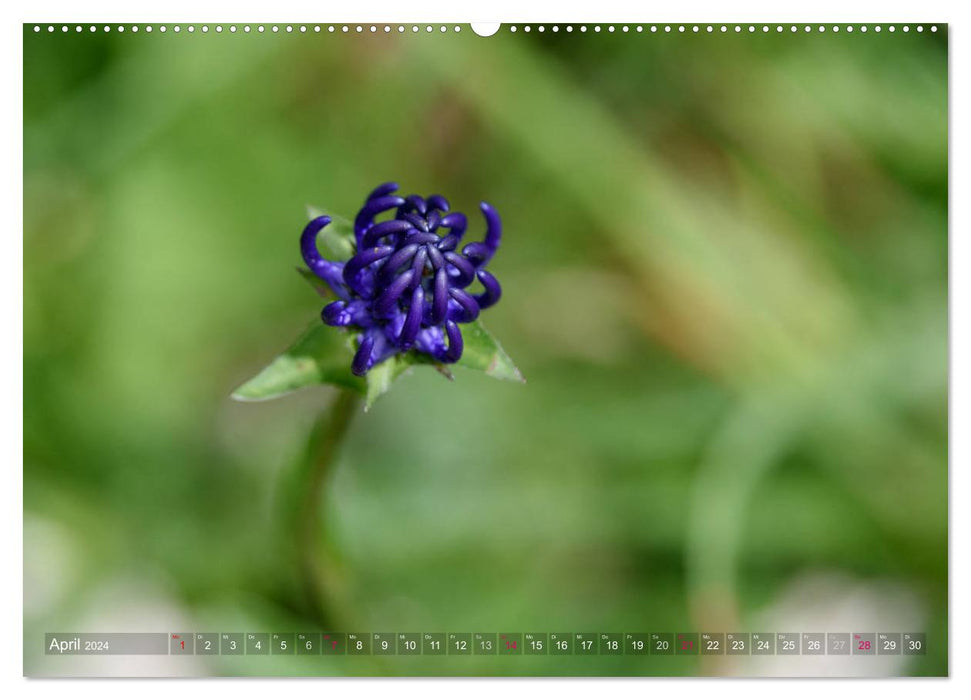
column 322, row 355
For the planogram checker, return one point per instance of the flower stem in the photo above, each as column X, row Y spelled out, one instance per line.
column 317, row 562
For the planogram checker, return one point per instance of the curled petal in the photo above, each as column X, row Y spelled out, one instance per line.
column 415, row 220
column 477, row 253
column 336, row 314
column 418, row 266
column 492, row 292
column 439, row 297
column 364, row 358
column 417, row 203
column 353, row 267
column 455, row 343
column 469, row 309
column 328, row 271
column 437, row 201
column 382, row 190
column 396, row 260
column 448, row 242
column 386, row 302
column 422, row 237
column 436, row 258
column 493, row 227
column 456, row 224
column 413, row 320
column 466, row 271
column 385, row 228
column 433, row 219
column 372, row 208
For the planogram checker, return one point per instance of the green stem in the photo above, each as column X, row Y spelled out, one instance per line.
column 318, row 566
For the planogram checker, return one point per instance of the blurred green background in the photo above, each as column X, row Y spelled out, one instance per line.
column 725, row 277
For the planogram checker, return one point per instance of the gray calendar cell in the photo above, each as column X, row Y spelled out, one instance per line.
column 888, row 644
column 182, row 643
column 787, row 643
column 864, row 643
column 207, row 643
column 738, row 643
column 813, row 643
column 763, row 643
column 838, row 643
column 712, row 643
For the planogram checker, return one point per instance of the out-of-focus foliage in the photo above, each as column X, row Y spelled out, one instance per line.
column 725, row 277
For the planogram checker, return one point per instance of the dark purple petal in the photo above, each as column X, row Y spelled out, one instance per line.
column 328, row 271
column 492, row 293
column 413, row 320
column 455, row 343
column 379, row 231
column 386, row 302
column 440, row 297
column 433, row 219
column 469, row 310
column 372, row 208
column 466, row 272
column 363, row 358
column 360, row 261
column 415, row 220
column 455, row 223
column 437, row 201
column 382, row 190
column 401, row 257
column 477, row 253
column 436, row 258
column 493, row 227
column 336, row 314
column 418, row 266
column 417, row 203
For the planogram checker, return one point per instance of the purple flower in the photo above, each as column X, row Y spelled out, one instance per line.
column 406, row 286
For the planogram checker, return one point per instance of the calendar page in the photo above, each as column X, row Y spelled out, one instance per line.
column 545, row 349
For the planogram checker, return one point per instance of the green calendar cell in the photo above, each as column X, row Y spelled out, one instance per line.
column 409, row 643
column 585, row 643
column 561, row 643
column 484, row 643
column 383, row 644
column 358, row 644
column 536, row 643
column 637, row 643
column 459, row 643
column 510, row 643
column 257, row 643
column 611, row 643
column 308, row 643
column 282, row 643
column 433, row 643
column 662, row 643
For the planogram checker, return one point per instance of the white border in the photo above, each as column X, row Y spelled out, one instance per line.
column 618, row 11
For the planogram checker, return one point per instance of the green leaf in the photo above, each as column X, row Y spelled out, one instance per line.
column 382, row 376
column 336, row 240
column 484, row 353
column 322, row 355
